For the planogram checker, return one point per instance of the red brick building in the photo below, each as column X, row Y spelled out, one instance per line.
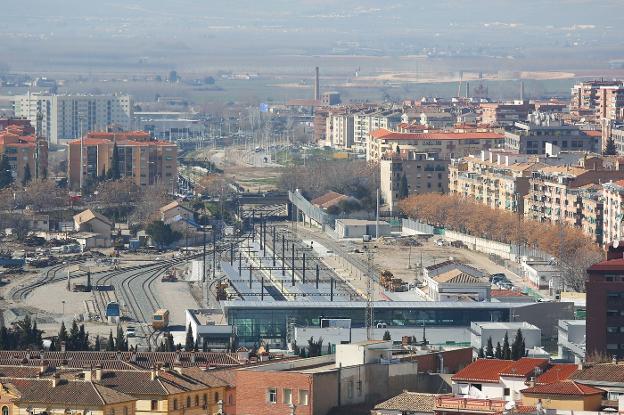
column 605, row 305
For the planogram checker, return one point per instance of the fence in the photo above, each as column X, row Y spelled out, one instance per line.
column 310, row 211
column 415, row 227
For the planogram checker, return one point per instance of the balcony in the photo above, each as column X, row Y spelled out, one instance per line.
column 452, row 403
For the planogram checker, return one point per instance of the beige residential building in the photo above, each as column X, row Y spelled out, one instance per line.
column 364, row 122
column 585, row 97
column 611, row 103
column 503, row 114
column 613, row 211
column 423, row 174
column 439, row 144
column 496, row 179
column 556, row 193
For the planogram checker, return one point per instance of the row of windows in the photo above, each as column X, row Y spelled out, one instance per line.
column 189, row 401
column 287, row 396
column 615, row 329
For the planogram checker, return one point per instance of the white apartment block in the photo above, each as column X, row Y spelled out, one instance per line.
column 66, row 117
column 367, row 121
column 613, row 213
column 339, row 131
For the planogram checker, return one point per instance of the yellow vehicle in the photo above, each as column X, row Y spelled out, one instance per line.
column 160, row 319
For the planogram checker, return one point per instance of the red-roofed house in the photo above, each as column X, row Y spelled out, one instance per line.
column 565, row 395
column 147, row 161
column 495, row 378
column 556, row 372
column 440, row 143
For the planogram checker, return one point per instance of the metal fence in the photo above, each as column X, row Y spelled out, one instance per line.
column 417, row 227
column 309, row 210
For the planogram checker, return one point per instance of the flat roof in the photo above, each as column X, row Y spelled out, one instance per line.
column 376, row 304
column 504, row 325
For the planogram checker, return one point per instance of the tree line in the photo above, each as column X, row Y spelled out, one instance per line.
column 515, row 351
column 574, row 250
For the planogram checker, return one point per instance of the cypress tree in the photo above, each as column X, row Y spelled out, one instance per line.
column 27, row 175
column 113, row 172
column 403, row 187
column 6, row 176
column 498, row 353
column 517, row 347
column 62, row 336
column 97, row 346
column 489, row 349
column 610, row 149
column 110, row 346
column 506, row 348
column 481, row 354
column 190, row 341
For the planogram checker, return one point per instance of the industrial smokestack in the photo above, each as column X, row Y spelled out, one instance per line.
column 317, row 85
column 521, row 90
column 467, row 90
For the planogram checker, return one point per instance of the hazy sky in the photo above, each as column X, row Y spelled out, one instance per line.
column 34, row 32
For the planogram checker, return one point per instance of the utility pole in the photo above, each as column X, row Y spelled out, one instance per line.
column 214, row 253
column 204, row 258
column 369, row 295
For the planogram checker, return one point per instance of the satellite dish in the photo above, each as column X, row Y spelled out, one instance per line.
column 616, row 243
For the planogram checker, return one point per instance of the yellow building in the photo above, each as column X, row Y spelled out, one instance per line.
column 564, row 395
column 62, row 396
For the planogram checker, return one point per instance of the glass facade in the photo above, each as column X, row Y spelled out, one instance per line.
column 253, row 324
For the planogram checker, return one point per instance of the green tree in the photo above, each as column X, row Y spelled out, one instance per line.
column 190, row 342
column 517, row 347
column 498, row 353
column 73, row 343
column 610, row 149
column 387, row 336
column 329, row 348
column 110, row 345
column 403, row 187
column 27, row 175
column 6, row 176
column 481, row 353
column 489, row 348
column 506, row 348
column 162, row 234
column 121, row 344
column 62, row 336
column 98, row 345
column 113, row 172
column 169, row 344
column 315, row 348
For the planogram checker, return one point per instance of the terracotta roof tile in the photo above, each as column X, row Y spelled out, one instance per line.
column 564, row 387
column 483, row 370
column 524, row 367
column 600, row 372
column 557, row 372
column 385, row 134
column 409, row 402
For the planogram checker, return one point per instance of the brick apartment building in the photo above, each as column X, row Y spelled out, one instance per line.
column 605, row 305
column 443, row 145
column 146, row 160
column 21, row 146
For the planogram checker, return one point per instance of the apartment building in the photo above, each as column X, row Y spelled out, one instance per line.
column 373, row 119
column 67, row 117
column 497, row 114
column 585, row 97
column 339, row 131
column 443, row 145
column 496, row 179
column 611, row 103
column 24, row 151
column 532, row 136
column 169, row 125
column 147, row 161
column 556, row 193
column 423, row 174
column 437, row 119
column 605, row 309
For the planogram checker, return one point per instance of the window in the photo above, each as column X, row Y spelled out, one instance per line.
column 154, row 405
column 506, row 391
column 196, row 400
column 205, row 399
column 303, row 397
column 125, row 410
column 5, row 410
column 612, row 329
column 175, row 404
column 288, row 396
column 272, row 395
column 188, row 401
column 216, row 396
column 612, row 346
column 612, row 313
column 113, row 411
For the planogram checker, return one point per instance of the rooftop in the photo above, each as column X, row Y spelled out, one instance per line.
column 409, row 402
column 385, row 134
column 557, row 372
column 564, row 387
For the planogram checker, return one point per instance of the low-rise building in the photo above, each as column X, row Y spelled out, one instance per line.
column 357, row 228
column 437, row 120
column 505, row 114
column 571, row 341
column 412, row 403
column 26, row 153
column 95, row 223
column 542, row 275
column 175, row 211
column 496, row 378
column 565, row 395
column 456, row 285
column 407, row 173
column 482, row 332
